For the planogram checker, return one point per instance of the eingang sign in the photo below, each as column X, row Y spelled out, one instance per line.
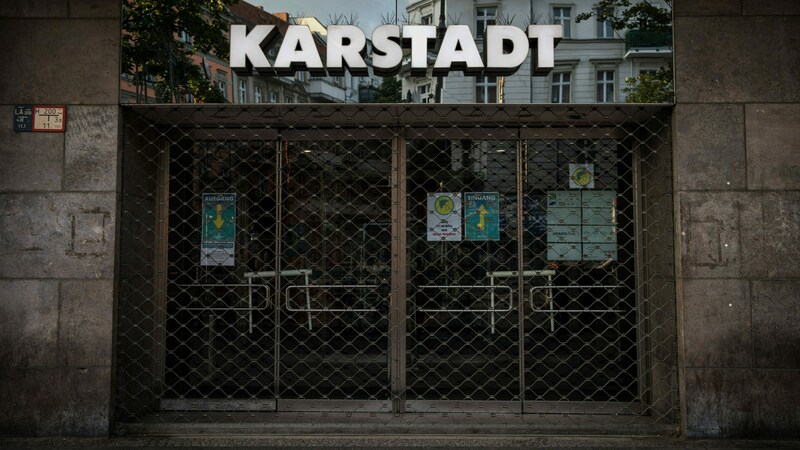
column 505, row 50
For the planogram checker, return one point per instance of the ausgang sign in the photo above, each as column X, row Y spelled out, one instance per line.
column 505, row 50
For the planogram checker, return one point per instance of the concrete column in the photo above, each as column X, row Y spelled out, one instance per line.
column 58, row 215
column 737, row 167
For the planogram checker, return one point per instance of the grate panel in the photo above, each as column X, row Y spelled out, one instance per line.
column 295, row 258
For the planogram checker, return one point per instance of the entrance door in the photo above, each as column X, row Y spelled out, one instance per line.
column 334, row 273
column 462, row 299
column 219, row 333
column 424, row 260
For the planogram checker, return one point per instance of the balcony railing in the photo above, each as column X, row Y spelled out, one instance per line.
column 322, row 90
column 647, row 39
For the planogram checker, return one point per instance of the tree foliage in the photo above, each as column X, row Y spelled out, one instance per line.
column 389, row 91
column 646, row 87
column 152, row 49
column 649, row 87
column 624, row 14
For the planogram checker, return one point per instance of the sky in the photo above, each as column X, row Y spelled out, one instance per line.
column 368, row 11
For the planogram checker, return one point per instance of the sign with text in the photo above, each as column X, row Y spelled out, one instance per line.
column 581, row 176
column 505, row 50
column 40, row 118
column 482, row 216
column 219, row 230
column 23, row 117
column 444, row 216
column 49, row 118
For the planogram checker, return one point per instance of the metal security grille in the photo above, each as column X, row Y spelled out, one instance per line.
column 397, row 259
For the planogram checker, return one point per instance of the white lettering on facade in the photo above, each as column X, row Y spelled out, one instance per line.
column 505, row 50
column 458, row 52
column 387, row 50
column 298, row 51
column 347, row 46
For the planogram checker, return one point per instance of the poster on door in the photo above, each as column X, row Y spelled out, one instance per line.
column 482, row 216
column 581, row 176
column 444, row 216
column 219, row 230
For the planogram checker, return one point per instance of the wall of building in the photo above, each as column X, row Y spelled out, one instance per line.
column 58, row 215
column 582, row 55
column 737, row 128
column 737, row 131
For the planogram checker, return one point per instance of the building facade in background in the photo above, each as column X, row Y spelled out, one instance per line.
column 302, row 87
column 592, row 60
column 733, row 134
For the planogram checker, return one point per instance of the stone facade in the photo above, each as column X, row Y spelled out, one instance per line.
column 58, row 195
column 737, row 217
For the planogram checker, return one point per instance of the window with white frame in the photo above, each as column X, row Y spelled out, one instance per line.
column 242, row 91
column 424, row 92
column 486, row 89
column 562, row 15
column 604, row 30
column 427, row 19
column 605, row 86
column 288, row 98
column 222, row 84
column 186, row 38
column 300, row 76
column 258, row 92
column 561, row 87
column 484, row 16
column 273, row 97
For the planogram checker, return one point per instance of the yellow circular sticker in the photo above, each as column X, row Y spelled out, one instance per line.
column 581, row 176
column 444, row 205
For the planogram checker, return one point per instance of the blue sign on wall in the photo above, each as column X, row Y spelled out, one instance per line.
column 23, row 117
column 482, row 216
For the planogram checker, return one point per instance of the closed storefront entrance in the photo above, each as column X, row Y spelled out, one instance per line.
column 397, row 261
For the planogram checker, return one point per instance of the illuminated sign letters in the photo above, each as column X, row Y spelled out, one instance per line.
column 504, row 52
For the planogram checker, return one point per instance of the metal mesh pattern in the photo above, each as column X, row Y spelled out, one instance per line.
column 396, row 258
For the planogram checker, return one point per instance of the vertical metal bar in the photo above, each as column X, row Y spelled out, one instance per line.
column 491, row 296
column 642, row 315
column 278, row 241
column 550, row 304
column 308, row 299
column 161, row 268
column 522, row 160
column 397, row 310
column 250, row 302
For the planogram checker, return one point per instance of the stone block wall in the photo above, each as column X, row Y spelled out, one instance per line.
column 737, row 213
column 737, row 171
column 58, row 216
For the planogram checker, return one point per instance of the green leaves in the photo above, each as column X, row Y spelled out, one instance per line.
column 153, row 46
column 621, row 14
column 389, row 91
column 649, row 87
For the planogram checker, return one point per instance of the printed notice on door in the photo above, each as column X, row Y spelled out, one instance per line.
column 482, row 216
column 219, row 230
column 444, row 216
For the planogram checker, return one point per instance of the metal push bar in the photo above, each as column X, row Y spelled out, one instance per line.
column 549, row 273
column 491, row 289
column 310, row 310
column 552, row 310
column 284, row 273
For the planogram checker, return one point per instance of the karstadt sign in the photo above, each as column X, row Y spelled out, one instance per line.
column 505, row 50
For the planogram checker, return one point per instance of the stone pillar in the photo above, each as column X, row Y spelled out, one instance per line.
column 58, row 215
column 737, row 167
